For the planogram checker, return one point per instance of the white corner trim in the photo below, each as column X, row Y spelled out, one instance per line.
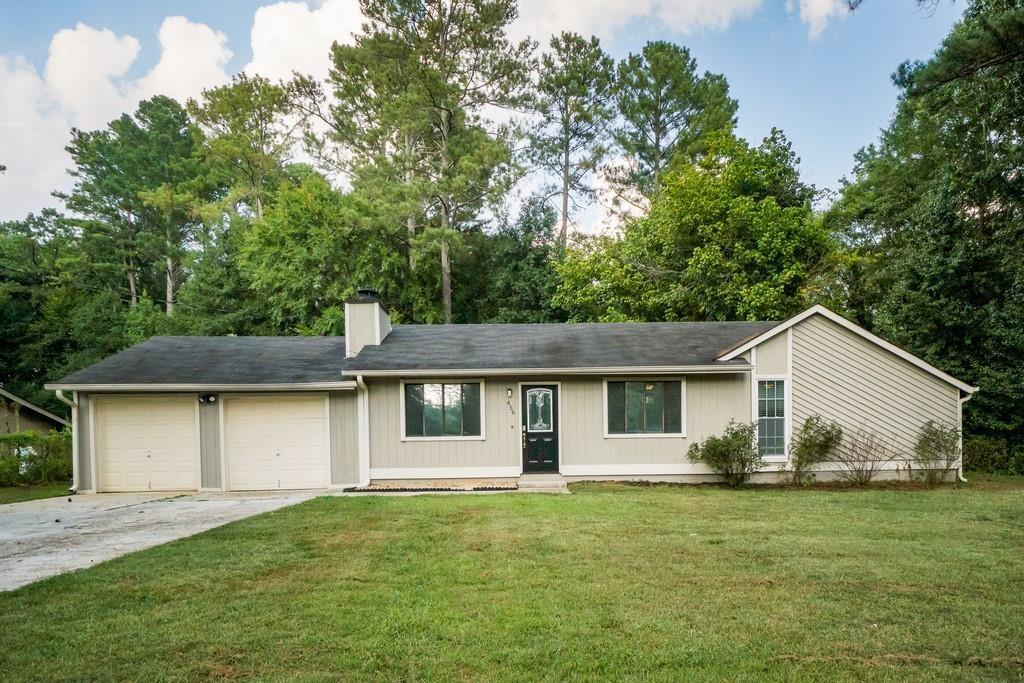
column 645, row 435
column 444, row 472
column 464, row 380
column 856, row 329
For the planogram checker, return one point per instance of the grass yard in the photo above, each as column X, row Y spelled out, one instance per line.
column 663, row 583
column 17, row 494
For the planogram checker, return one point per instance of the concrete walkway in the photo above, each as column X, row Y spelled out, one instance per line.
column 42, row 538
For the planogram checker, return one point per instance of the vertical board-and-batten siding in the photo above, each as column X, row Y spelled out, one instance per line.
column 83, row 425
column 710, row 400
column 344, row 439
column 209, row 445
column 842, row 377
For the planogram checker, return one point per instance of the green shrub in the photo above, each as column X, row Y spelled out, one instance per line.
column 33, row 458
column 937, row 452
column 10, row 470
column 733, row 455
column 986, row 454
column 815, row 442
column 1015, row 462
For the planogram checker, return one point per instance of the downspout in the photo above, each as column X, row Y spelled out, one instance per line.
column 73, row 403
column 363, row 416
column 960, row 419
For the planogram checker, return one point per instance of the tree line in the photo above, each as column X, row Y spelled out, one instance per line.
column 258, row 207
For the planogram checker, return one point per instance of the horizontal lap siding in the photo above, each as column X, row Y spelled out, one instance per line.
column 841, row 377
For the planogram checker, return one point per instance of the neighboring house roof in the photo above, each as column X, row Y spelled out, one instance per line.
column 214, row 362
column 745, row 346
column 34, row 408
column 563, row 347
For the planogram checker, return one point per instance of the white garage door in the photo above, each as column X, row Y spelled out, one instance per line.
column 277, row 442
column 146, row 443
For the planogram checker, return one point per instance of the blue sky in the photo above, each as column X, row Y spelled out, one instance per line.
column 829, row 92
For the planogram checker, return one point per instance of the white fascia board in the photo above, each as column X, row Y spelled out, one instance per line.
column 547, row 372
column 859, row 331
column 163, row 388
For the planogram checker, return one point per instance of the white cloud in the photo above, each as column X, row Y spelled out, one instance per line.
column 818, row 13
column 32, row 131
column 84, row 85
column 290, row 36
column 603, row 18
column 83, row 69
column 192, row 58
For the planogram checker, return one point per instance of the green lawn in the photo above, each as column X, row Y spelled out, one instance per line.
column 16, row 494
column 666, row 583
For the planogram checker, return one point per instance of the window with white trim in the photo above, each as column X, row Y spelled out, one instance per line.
column 771, row 417
column 442, row 410
column 644, row 407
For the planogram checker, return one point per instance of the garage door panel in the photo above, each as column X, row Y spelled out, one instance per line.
column 146, row 444
column 276, row 443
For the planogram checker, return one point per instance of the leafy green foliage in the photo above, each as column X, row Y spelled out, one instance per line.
column 33, row 458
column 733, row 454
column 934, row 210
column 815, row 442
column 730, row 236
column 937, row 452
column 575, row 104
column 667, row 110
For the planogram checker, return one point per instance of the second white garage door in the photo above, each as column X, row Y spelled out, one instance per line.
column 278, row 442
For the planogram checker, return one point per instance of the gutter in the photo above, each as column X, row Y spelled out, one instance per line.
column 307, row 386
column 960, row 417
column 363, row 436
column 73, row 404
column 546, row 372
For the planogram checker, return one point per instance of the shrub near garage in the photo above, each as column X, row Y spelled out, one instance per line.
column 34, row 458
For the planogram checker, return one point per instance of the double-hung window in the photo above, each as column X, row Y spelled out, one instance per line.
column 442, row 410
column 771, row 417
column 644, row 407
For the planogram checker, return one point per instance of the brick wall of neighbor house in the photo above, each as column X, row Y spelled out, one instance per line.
column 711, row 401
column 15, row 417
column 843, row 377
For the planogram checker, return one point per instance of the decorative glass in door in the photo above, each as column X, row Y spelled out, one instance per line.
column 539, row 410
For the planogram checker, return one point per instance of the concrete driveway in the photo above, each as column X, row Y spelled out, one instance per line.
column 41, row 538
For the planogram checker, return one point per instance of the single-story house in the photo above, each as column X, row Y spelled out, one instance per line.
column 18, row 415
column 495, row 401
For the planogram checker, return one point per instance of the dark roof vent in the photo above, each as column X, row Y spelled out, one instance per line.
column 364, row 295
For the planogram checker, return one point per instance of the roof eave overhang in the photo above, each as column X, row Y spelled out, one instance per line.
column 720, row 368
column 144, row 388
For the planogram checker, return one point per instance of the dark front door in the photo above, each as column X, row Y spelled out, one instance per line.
column 540, row 427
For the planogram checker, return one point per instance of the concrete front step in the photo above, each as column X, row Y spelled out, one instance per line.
column 542, row 483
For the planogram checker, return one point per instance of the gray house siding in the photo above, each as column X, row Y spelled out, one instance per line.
column 209, row 445
column 711, row 401
column 84, row 424
column 344, row 438
column 843, row 377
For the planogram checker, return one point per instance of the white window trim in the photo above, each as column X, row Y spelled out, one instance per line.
column 460, row 380
column 787, row 397
column 646, row 435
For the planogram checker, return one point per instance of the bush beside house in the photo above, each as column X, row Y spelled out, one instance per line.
column 34, row 458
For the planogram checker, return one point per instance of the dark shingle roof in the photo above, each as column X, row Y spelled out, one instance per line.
column 210, row 361
column 541, row 346
column 219, row 360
